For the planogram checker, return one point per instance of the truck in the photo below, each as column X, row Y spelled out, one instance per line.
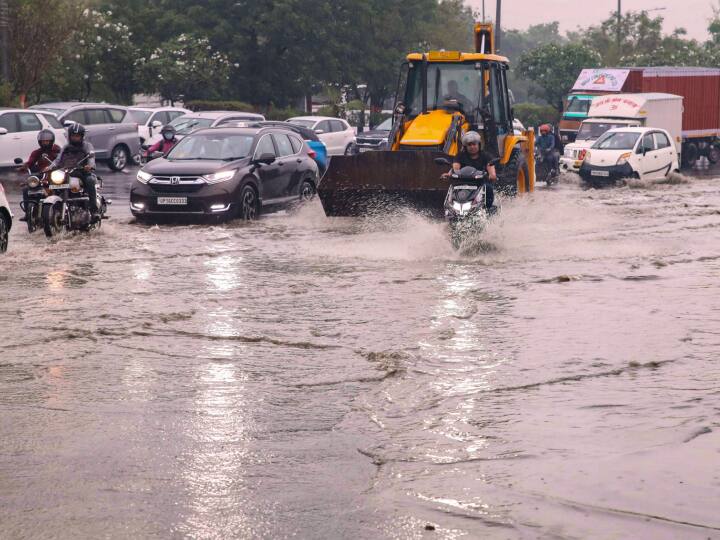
column 612, row 111
column 699, row 87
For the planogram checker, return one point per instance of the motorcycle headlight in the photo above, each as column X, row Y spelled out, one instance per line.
column 57, row 177
column 144, row 177
column 622, row 160
column 218, row 177
column 33, row 182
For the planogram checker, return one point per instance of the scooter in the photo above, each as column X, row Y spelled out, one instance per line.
column 465, row 206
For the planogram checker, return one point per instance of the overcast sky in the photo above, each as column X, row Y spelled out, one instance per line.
column 693, row 15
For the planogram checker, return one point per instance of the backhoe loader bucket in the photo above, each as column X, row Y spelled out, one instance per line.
column 372, row 181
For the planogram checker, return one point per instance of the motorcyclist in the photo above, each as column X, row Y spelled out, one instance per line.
column 166, row 143
column 546, row 144
column 46, row 152
column 472, row 155
column 76, row 150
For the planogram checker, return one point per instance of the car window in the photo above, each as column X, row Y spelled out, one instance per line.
column 29, row 122
column 283, row 144
column 338, row 125
column 96, row 116
column 647, row 142
column 76, row 116
column 161, row 117
column 661, row 140
column 264, row 146
column 116, row 115
column 9, row 122
column 172, row 115
column 297, row 144
column 53, row 121
column 324, row 126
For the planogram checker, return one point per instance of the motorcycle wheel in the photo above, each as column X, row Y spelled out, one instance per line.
column 4, row 234
column 51, row 217
column 31, row 216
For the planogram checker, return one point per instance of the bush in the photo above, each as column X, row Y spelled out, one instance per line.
column 534, row 115
column 329, row 110
column 7, row 99
column 275, row 113
column 208, row 105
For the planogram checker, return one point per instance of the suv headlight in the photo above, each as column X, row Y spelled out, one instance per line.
column 622, row 160
column 222, row 176
column 144, row 177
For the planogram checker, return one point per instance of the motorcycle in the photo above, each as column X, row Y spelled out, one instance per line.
column 67, row 206
column 543, row 170
column 36, row 185
column 465, row 206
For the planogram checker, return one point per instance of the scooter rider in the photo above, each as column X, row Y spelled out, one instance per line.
column 546, row 143
column 45, row 154
column 76, row 150
column 472, row 155
column 165, row 144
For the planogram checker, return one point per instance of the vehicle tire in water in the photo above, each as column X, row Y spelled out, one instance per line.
column 514, row 175
column 248, row 210
column 4, row 233
column 51, row 216
column 307, row 191
column 349, row 150
column 31, row 216
column 119, row 158
column 713, row 154
column 690, row 155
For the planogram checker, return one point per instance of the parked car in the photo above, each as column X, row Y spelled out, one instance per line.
column 317, row 147
column 226, row 172
column 645, row 153
column 374, row 139
column 190, row 122
column 6, row 218
column 150, row 120
column 337, row 134
column 19, row 129
column 110, row 130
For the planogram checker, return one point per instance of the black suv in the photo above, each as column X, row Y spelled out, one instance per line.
column 226, row 172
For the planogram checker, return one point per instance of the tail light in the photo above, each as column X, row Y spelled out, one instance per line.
column 312, row 153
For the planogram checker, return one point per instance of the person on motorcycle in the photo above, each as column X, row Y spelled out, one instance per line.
column 166, row 143
column 546, row 144
column 76, row 150
column 45, row 154
column 472, row 155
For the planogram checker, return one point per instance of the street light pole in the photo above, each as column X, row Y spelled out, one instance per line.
column 619, row 21
column 498, row 28
column 4, row 23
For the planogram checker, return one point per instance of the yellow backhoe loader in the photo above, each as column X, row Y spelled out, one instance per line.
column 441, row 95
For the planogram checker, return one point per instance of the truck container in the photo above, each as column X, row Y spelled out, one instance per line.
column 698, row 86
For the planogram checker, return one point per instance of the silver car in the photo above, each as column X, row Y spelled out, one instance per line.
column 110, row 129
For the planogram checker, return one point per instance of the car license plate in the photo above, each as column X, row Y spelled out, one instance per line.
column 172, row 201
column 599, row 173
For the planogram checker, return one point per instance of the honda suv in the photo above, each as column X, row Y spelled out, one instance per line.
column 226, row 172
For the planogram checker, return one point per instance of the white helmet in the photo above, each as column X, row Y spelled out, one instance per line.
column 471, row 137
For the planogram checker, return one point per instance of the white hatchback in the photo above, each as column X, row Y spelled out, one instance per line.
column 635, row 152
column 19, row 129
column 150, row 120
column 337, row 135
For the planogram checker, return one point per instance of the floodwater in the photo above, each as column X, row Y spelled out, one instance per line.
column 339, row 378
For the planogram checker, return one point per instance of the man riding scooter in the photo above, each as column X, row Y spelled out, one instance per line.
column 546, row 144
column 40, row 158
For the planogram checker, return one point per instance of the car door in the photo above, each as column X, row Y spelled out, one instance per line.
column 11, row 146
column 345, row 134
column 96, row 126
column 665, row 151
column 647, row 156
column 327, row 136
column 270, row 174
column 288, row 162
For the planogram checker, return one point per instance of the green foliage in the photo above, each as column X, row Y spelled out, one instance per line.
column 274, row 113
column 377, row 118
column 531, row 114
column 554, row 68
column 209, row 105
column 7, row 97
column 329, row 110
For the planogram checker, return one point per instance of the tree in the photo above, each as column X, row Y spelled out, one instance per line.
column 555, row 68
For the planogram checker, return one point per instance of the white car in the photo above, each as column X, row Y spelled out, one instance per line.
column 337, row 135
column 632, row 152
column 150, row 120
column 590, row 131
column 187, row 123
column 19, row 129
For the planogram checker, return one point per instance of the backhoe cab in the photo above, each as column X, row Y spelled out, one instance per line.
column 441, row 95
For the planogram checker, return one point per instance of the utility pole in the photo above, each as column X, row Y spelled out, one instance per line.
column 619, row 22
column 4, row 23
column 498, row 12
column 483, row 10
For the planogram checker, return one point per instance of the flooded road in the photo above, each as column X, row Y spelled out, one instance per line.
column 337, row 378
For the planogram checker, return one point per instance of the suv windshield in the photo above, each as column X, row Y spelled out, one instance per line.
column 212, row 146
column 451, row 81
column 385, row 125
column 184, row 124
column 592, row 130
column 623, row 140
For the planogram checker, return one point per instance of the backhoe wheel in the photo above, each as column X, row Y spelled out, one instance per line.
column 52, row 219
column 514, row 176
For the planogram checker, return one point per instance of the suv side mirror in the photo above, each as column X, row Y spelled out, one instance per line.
column 18, row 161
column 266, row 158
column 156, row 124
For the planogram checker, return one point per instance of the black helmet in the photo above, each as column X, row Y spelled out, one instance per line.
column 76, row 129
column 46, row 135
column 168, row 129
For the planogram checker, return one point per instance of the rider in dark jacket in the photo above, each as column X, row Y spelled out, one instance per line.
column 472, row 155
column 40, row 158
column 77, row 150
column 546, row 143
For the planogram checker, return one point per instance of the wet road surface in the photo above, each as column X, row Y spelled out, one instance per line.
column 338, row 378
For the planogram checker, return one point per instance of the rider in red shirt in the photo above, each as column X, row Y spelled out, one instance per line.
column 165, row 144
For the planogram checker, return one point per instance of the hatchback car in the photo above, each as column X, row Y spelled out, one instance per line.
column 19, row 129
column 635, row 152
column 337, row 134
column 226, row 172
column 150, row 120
column 6, row 219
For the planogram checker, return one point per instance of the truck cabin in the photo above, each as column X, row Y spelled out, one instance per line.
column 471, row 83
